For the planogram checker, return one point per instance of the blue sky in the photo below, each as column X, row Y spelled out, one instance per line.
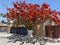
column 54, row 4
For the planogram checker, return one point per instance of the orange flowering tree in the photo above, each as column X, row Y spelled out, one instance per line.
column 30, row 14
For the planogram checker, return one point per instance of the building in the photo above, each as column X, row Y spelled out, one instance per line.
column 52, row 29
column 4, row 27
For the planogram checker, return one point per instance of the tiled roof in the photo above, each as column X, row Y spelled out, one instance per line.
column 4, row 25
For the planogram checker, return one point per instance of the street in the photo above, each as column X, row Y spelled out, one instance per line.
column 4, row 41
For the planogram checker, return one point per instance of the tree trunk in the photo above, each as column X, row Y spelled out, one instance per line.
column 39, row 30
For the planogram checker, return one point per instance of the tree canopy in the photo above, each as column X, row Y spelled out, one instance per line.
column 35, row 13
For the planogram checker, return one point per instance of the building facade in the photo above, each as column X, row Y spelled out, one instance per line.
column 4, row 28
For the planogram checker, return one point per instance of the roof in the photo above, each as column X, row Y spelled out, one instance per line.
column 4, row 25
